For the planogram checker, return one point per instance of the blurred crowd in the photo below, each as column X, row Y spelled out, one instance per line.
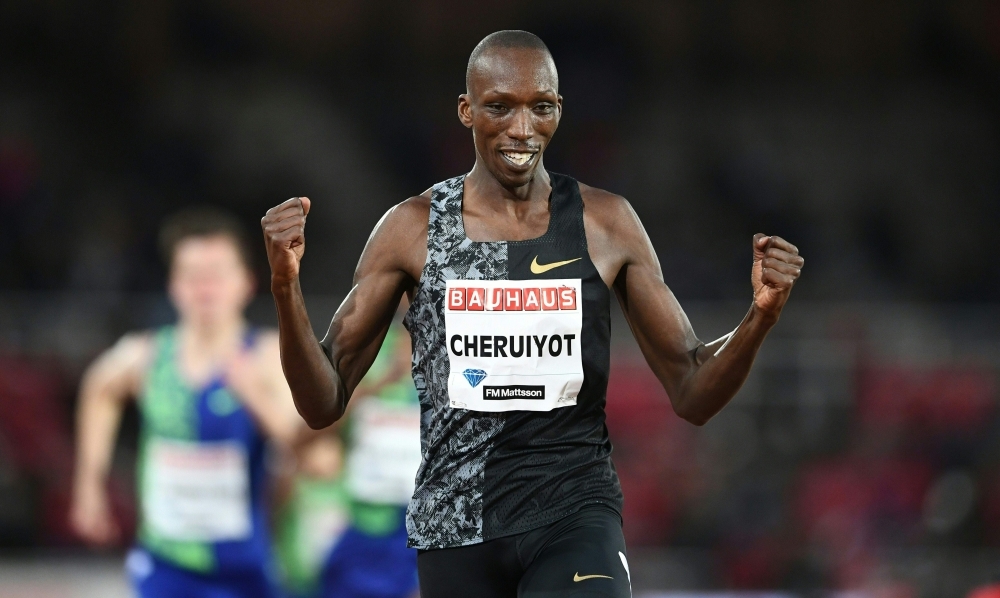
column 797, row 505
column 867, row 132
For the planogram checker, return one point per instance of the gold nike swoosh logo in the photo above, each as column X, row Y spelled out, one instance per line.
column 537, row 268
column 578, row 577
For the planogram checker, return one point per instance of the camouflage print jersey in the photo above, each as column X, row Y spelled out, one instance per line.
column 524, row 451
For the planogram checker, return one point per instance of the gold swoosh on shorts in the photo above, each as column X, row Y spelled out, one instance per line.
column 537, row 268
column 578, row 577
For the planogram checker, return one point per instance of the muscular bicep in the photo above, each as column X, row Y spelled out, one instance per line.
column 389, row 266
column 659, row 325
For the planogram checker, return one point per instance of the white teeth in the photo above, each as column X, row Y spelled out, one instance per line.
column 519, row 158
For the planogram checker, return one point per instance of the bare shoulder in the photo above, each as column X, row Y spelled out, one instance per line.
column 614, row 234
column 399, row 241
column 604, row 208
column 600, row 199
column 608, row 214
column 133, row 350
column 413, row 209
column 405, row 221
column 125, row 364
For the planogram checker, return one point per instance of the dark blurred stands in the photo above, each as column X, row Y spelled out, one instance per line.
column 879, row 483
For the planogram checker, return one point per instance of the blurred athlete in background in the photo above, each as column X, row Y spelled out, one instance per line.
column 342, row 531
column 312, row 513
column 382, row 436
column 210, row 390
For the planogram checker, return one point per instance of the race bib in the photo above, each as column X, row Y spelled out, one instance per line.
column 514, row 345
column 385, row 456
column 197, row 491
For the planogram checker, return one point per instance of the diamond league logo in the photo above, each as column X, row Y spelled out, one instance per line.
column 474, row 376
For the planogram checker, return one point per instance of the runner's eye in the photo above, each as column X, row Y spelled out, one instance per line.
column 496, row 108
column 544, row 108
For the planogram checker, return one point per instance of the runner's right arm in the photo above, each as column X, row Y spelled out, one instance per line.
column 114, row 378
column 322, row 376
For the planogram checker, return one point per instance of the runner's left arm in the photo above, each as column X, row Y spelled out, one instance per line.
column 699, row 378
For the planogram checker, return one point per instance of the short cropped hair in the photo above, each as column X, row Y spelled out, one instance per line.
column 508, row 38
column 203, row 222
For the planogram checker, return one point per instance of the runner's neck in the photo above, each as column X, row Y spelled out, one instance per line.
column 203, row 347
column 482, row 186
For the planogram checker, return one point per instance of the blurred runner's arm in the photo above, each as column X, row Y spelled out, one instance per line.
column 322, row 376
column 260, row 385
column 114, row 378
column 699, row 378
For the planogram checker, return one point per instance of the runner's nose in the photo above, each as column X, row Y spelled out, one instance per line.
column 520, row 126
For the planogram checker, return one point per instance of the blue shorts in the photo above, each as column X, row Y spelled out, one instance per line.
column 155, row 578
column 363, row 566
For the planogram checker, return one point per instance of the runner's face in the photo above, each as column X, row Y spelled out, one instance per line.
column 208, row 281
column 513, row 108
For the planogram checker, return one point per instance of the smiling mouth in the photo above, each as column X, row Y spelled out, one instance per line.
column 518, row 158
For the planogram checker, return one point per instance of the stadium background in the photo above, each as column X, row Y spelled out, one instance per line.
column 864, row 452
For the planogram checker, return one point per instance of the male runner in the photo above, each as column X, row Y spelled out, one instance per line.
column 208, row 390
column 509, row 270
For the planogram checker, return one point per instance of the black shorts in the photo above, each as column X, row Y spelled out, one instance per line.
column 580, row 555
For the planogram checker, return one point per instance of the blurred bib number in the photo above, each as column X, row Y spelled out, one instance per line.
column 197, row 491
column 385, row 456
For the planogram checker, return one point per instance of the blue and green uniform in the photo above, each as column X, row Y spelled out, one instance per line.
column 371, row 559
column 307, row 525
column 345, row 537
column 201, row 482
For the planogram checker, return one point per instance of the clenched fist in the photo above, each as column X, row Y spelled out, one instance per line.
column 776, row 266
column 90, row 515
column 285, row 237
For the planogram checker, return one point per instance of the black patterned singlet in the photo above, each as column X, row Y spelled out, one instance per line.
column 513, row 430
